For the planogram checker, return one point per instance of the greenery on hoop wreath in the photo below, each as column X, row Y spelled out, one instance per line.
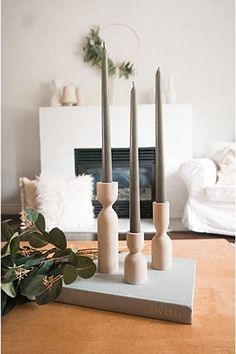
column 93, row 55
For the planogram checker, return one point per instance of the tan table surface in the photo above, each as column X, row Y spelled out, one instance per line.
column 67, row 329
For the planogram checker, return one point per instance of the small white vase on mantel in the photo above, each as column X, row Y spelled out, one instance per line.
column 57, row 93
column 171, row 94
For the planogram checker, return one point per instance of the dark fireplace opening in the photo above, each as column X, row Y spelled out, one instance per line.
column 89, row 161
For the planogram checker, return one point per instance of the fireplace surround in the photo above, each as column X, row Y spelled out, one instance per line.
column 89, row 161
column 62, row 129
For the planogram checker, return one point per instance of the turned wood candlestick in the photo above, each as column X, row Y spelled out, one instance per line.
column 107, row 228
column 161, row 242
column 135, row 265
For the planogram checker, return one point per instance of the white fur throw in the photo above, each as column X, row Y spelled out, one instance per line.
column 65, row 202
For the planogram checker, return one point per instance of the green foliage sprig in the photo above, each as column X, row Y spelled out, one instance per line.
column 93, row 55
column 34, row 272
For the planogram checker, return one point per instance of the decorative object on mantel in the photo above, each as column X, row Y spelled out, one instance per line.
column 69, row 96
column 171, row 94
column 34, row 272
column 161, row 242
column 93, row 54
column 107, row 190
column 135, row 264
column 56, row 99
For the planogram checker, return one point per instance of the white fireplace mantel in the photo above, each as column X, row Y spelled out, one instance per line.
column 62, row 129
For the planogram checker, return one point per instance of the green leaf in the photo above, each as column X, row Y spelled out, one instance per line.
column 35, row 261
column 8, row 276
column 71, row 257
column 37, row 240
column 57, row 269
column 9, row 289
column 44, row 269
column 4, row 249
column 6, row 230
column 3, row 301
column 21, row 259
column 57, row 238
column 11, row 247
column 8, row 303
column 40, row 223
column 69, row 274
column 6, row 261
column 62, row 253
column 25, row 282
column 35, row 287
column 50, row 294
column 32, row 215
column 14, row 246
column 85, row 267
column 31, row 298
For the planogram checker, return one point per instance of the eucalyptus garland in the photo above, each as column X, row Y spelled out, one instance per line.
column 93, row 55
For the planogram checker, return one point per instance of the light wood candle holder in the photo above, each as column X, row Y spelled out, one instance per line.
column 161, row 242
column 135, row 264
column 107, row 223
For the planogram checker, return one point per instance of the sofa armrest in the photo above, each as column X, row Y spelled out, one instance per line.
column 28, row 194
column 198, row 173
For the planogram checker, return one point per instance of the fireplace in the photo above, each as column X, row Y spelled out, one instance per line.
column 89, row 161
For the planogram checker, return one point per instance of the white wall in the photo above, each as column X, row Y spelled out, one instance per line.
column 191, row 39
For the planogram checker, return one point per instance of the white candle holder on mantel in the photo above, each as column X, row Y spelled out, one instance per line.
column 135, row 264
column 107, row 228
column 161, row 242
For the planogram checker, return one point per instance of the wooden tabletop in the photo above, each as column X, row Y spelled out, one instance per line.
column 67, row 329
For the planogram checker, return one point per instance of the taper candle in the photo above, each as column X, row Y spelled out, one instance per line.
column 106, row 139
column 134, row 201
column 159, row 152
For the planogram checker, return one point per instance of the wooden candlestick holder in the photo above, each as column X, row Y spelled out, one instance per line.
column 107, row 223
column 135, row 264
column 161, row 242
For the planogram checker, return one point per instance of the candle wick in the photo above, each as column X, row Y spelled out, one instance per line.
column 133, row 83
column 104, row 45
column 158, row 70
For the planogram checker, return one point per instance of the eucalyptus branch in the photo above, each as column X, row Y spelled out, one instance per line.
column 33, row 272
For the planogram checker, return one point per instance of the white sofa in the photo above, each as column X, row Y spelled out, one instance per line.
column 211, row 193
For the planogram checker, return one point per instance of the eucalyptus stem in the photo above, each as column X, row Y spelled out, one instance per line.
column 25, row 269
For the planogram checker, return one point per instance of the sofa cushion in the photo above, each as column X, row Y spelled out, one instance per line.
column 220, row 193
column 227, row 165
column 214, row 149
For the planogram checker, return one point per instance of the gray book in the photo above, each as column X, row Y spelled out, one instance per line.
column 167, row 295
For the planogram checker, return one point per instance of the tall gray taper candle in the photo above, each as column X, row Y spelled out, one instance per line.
column 159, row 153
column 106, row 139
column 134, row 201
